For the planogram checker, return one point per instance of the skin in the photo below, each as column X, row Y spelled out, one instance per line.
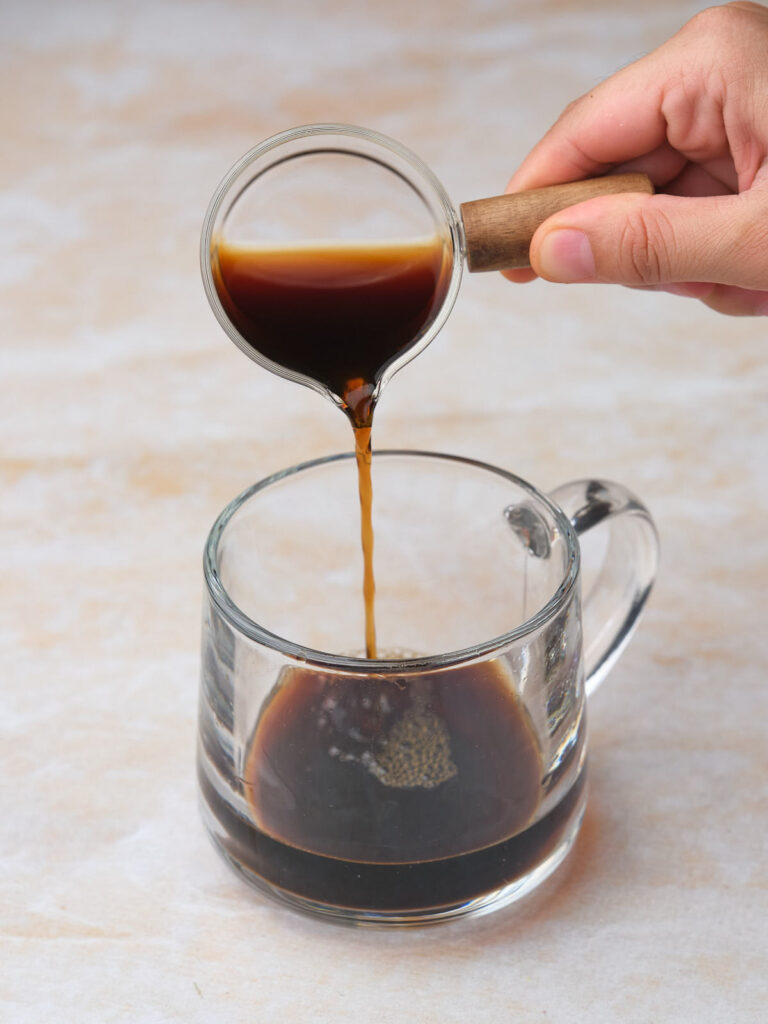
column 693, row 115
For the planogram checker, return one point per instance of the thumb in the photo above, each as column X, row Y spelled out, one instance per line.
column 650, row 240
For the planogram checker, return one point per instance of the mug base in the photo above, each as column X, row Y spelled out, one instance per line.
column 398, row 894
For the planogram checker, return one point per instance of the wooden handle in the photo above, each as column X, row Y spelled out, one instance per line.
column 498, row 231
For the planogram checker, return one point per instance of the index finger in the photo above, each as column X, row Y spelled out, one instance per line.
column 618, row 121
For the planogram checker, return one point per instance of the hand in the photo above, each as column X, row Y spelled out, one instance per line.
column 693, row 115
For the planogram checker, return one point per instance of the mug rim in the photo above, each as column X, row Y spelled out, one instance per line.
column 248, row 627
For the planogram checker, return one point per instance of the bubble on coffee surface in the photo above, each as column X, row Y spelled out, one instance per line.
column 415, row 752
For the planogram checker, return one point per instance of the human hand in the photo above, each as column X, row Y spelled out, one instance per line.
column 693, row 115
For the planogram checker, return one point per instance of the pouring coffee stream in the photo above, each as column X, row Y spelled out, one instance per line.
column 342, row 310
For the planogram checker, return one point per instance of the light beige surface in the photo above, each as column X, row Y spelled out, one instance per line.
column 127, row 420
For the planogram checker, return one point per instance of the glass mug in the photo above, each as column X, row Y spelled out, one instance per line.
column 447, row 777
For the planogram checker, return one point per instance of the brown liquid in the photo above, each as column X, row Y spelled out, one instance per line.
column 339, row 314
column 365, row 486
column 394, row 793
column 391, row 794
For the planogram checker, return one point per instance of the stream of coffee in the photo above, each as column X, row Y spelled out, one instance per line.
column 387, row 793
column 339, row 313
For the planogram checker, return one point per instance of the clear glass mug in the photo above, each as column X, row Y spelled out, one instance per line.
column 448, row 777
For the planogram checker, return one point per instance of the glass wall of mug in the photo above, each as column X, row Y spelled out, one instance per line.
column 446, row 777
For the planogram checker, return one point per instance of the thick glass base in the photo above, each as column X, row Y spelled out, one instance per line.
column 395, row 894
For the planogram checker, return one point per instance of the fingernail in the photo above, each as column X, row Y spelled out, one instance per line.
column 566, row 255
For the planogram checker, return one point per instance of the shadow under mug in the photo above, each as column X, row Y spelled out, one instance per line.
column 447, row 777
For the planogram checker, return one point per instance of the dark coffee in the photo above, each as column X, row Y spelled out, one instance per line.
column 363, row 456
column 384, row 793
column 339, row 314
column 394, row 793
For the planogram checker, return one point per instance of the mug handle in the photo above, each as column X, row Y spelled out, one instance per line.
column 612, row 605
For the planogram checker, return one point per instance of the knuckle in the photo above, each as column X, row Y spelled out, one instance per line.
column 711, row 19
column 722, row 21
column 647, row 247
column 575, row 105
